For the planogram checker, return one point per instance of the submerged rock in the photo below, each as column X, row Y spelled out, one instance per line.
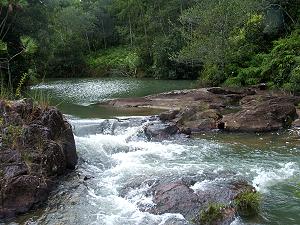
column 37, row 146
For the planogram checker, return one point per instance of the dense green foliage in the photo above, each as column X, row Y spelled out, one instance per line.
column 230, row 42
column 123, row 60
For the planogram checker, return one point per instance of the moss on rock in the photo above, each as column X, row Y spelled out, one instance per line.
column 248, row 203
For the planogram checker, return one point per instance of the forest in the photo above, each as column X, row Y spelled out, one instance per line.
column 150, row 112
column 216, row 42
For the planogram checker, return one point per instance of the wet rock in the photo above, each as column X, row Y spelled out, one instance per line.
column 169, row 115
column 20, row 193
column 187, row 196
column 296, row 123
column 160, row 131
column 88, row 177
column 179, row 197
column 68, row 146
column 175, row 197
column 176, row 221
column 37, row 146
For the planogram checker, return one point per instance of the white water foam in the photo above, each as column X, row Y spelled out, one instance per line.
column 268, row 178
column 119, row 211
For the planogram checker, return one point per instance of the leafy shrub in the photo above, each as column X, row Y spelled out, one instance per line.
column 278, row 65
column 295, row 79
column 115, row 58
column 249, row 76
column 211, row 75
column 233, row 82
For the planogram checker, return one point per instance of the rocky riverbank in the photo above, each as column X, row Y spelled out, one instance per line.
column 206, row 109
column 37, row 146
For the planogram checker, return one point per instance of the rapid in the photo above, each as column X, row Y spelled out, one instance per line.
column 115, row 155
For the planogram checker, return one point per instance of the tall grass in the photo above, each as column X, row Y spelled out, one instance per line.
column 41, row 97
column 6, row 93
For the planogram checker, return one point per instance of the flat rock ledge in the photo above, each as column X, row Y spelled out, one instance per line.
column 206, row 109
column 36, row 147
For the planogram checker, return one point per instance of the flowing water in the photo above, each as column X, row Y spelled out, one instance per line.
column 114, row 154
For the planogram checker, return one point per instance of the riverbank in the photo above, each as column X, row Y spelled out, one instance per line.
column 206, row 109
column 37, row 146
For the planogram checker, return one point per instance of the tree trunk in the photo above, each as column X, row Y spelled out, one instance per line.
column 130, row 32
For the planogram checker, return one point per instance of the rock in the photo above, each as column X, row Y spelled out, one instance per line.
column 226, row 91
column 20, row 193
column 88, row 177
column 37, row 146
column 267, row 116
column 69, row 147
column 179, row 197
column 176, row 221
column 175, row 197
column 168, row 116
column 250, row 102
column 193, row 120
column 159, row 131
column 128, row 102
column 221, row 91
column 262, row 86
column 243, row 110
column 296, row 123
column 189, row 195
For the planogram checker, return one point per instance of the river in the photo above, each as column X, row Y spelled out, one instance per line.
column 114, row 152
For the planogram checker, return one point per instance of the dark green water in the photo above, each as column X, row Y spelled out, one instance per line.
column 115, row 152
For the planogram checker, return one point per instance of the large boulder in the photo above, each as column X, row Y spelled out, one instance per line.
column 268, row 115
column 179, row 197
column 37, row 145
column 193, row 196
column 175, row 197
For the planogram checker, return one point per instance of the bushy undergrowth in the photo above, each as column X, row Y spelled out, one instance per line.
column 119, row 58
column 280, row 67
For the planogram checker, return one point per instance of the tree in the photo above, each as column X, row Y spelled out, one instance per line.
column 207, row 27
